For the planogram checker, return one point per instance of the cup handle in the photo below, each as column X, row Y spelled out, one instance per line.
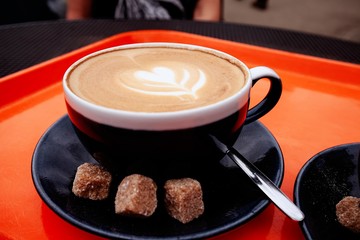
column 271, row 98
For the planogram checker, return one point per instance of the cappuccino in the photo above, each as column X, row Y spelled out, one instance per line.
column 171, row 97
column 155, row 79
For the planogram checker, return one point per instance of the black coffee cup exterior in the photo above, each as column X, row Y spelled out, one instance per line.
column 116, row 147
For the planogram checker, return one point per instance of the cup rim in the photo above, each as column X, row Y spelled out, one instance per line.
column 159, row 121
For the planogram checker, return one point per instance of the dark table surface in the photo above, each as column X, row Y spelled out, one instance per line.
column 26, row 44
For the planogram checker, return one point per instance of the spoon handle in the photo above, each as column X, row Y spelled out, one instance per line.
column 267, row 186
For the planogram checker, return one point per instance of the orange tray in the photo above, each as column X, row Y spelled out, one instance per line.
column 319, row 108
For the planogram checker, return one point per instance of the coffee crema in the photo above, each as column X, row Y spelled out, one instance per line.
column 155, row 79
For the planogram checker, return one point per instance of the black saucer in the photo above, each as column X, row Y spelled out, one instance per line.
column 230, row 198
column 322, row 182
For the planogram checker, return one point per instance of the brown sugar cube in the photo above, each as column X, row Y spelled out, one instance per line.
column 136, row 196
column 348, row 213
column 183, row 199
column 91, row 181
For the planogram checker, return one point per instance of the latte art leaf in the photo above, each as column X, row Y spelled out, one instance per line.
column 163, row 81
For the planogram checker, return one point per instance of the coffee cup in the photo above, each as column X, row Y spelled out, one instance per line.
column 161, row 101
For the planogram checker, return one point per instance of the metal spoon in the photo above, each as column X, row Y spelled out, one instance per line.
column 262, row 181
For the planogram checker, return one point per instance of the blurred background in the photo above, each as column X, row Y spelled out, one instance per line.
column 333, row 18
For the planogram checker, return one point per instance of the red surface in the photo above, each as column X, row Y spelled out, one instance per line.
column 319, row 108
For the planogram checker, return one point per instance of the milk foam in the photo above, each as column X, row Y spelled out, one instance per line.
column 164, row 81
column 155, row 79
